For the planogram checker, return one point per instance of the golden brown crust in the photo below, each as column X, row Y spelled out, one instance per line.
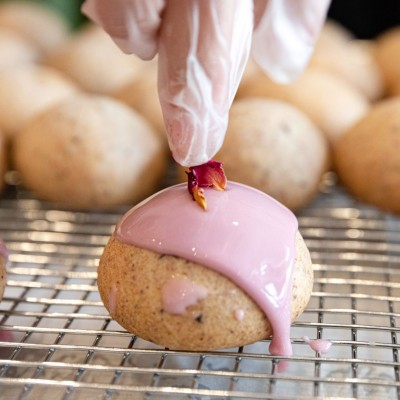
column 386, row 53
column 332, row 104
column 366, row 157
column 89, row 151
column 93, row 61
column 27, row 90
column 274, row 147
column 130, row 282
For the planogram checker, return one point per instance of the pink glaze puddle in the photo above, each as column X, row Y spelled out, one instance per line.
column 239, row 314
column 245, row 235
column 178, row 293
column 6, row 336
column 320, row 346
column 9, row 337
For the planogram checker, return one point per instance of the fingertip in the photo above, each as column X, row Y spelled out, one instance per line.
column 193, row 138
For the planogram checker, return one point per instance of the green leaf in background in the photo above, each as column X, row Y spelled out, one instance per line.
column 69, row 9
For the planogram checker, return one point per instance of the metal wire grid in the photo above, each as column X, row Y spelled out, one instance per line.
column 58, row 342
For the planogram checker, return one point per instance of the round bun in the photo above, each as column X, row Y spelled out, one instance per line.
column 38, row 24
column 141, row 94
column 140, row 276
column 330, row 102
column 132, row 281
column 387, row 52
column 366, row 157
column 337, row 51
column 15, row 50
column 94, row 61
column 89, row 151
column 354, row 62
column 276, row 148
column 27, row 90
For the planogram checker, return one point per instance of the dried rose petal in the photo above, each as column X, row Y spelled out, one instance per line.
column 210, row 174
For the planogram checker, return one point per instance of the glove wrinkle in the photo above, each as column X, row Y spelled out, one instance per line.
column 285, row 35
column 198, row 79
column 203, row 47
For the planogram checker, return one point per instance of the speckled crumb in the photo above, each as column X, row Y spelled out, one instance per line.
column 209, row 324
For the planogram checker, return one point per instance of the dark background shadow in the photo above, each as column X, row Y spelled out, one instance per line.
column 366, row 18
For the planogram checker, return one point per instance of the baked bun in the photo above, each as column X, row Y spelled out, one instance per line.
column 366, row 156
column 329, row 101
column 338, row 52
column 35, row 22
column 15, row 50
column 274, row 147
column 90, row 152
column 191, row 279
column 3, row 267
column 26, row 91
column 141, row 94
column 94, row 62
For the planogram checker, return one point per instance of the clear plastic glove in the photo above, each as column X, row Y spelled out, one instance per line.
column 203, row 47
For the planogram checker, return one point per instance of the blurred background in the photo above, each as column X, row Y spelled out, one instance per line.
column 352, row 62
column 365, row 18
column 69, row 9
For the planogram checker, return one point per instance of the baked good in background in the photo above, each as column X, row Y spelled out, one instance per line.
column 276, row 148
column 142, row 95
column 89, row 151
column 28, row 89
column 190, row 279
column 15, row 50
column 4, row 161
column 3, row 267
column 366, row 156
column 94, row 61
column 331, row 103
column 338, row 52
column 387, row 53
column 38, row 24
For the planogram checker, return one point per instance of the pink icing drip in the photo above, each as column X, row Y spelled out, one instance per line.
column 178, row 293
column 244, row 234
column 321, row 346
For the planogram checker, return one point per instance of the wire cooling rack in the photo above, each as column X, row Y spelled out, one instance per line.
column 58, row 341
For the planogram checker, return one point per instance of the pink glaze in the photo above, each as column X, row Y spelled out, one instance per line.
column 321, row 346
column 239, row 314
column 244, row 234
column 179, row 292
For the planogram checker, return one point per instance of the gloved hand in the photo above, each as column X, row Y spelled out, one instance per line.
column 203, row 47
